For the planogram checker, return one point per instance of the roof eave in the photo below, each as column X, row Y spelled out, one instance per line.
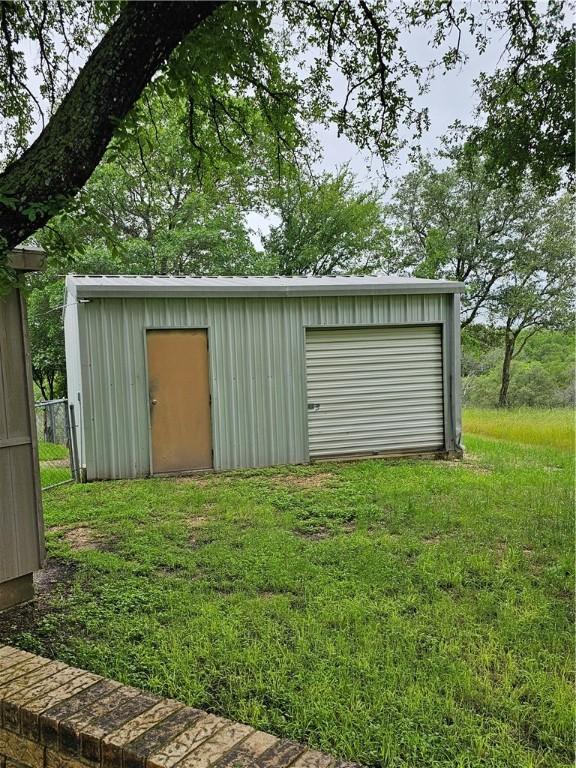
column 183, row 291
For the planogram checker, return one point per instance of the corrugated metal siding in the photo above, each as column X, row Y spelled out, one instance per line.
column 73, row 369
column 374, row 389
column 257, row 371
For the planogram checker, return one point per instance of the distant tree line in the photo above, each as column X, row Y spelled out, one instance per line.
column 542, row 375
column 512, row 246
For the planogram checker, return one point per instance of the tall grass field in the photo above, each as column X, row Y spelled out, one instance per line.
column 529, row 426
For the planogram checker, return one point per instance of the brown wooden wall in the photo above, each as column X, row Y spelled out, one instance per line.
column 21, row 534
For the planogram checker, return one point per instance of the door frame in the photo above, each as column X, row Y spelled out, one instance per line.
column 446, row 376
column 208, row 330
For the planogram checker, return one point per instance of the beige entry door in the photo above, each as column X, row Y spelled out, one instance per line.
column 179, row 395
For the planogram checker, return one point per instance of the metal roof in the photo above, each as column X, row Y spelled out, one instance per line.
column 29, row 248
column 86, row 286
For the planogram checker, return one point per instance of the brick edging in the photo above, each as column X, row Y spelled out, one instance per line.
column 56, row 716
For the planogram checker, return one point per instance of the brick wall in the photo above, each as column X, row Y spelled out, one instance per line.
column 57, row 716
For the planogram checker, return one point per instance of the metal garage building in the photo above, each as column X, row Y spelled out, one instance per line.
column 174, row 374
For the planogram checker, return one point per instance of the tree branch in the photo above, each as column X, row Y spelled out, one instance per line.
column 39, row 184
column 528, row 336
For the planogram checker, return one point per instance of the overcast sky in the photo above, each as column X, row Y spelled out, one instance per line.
column 450, row 98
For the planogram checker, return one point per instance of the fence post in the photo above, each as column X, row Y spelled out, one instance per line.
column 71, row 420
column 52, row 415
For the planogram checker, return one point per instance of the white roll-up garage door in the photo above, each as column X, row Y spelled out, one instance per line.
column 374, row 390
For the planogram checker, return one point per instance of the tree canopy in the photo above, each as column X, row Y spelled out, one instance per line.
column 230, row 61
column 537, row 292
column 327, row 226
column 452, row 223
column 528, row 106
column 513, row 247
column 139, row 134
column 46, row 334
column 150, row 204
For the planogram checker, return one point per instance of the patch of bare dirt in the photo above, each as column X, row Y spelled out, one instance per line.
column 501, row 548
column 316, row 480
column 56, row 575
column 436, row 539
column 84, row 537
column 349, row 527
column 197, row 521
column 54, row 580
column 314, row 535
column 471, row 461
column 470, row 458
column 194, row 523
column 527, row 551
column 200, row 480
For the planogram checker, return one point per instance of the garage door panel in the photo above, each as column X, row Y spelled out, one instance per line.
column 367, row 348
column 378, row 422
column 379, row 376
column 407, row 358
column 376, row 445
column 419, row 336
column 328, row 412
column 377, row 448
column 355, row 397
column 419, row 339
column 383, row 367
column 373, row 444
column 387, row 424
column 374, row 389
column 377, row 438
column 393, row 331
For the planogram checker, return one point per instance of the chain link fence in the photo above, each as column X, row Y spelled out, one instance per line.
column 56, row 443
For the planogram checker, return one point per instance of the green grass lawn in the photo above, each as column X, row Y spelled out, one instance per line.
column 52, row 475
column 399, row 613
column 51, row 451
column 54, row 463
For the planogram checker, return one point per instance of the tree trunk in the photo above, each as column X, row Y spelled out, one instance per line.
column 51, row 380
column 39, row 381
column 509, row 345
column 38, row 184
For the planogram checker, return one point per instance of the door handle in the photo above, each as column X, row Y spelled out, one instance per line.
column 153, row 401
